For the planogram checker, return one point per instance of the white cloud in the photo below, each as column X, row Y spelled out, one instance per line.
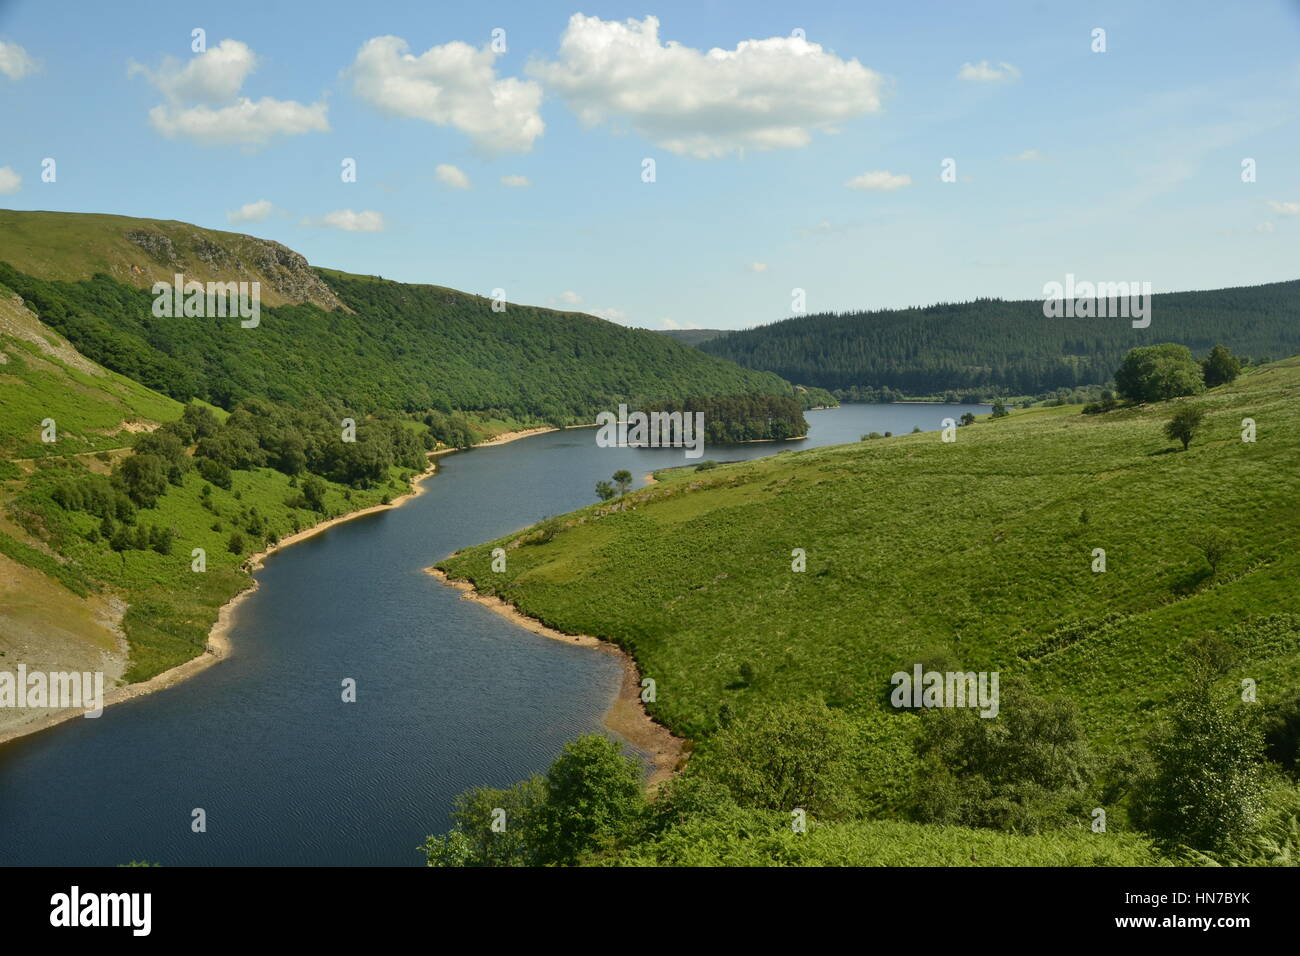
column 986, row 72
column 450, row 85
column 1284, row 208
column 764, row 94
column 569, row 297
column 881, row 180
column 214, row 76
column 349, row 221
column 258, row 211
column 246, row 122
column 758, row 267
column 10, row 181
column 517, row 182
column 1266, row 227
column 15, row 62
column 213, row 79
column 451, row 176
column 1029, row 156
column 610, row 315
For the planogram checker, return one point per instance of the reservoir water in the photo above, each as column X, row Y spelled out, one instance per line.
column 449, row 695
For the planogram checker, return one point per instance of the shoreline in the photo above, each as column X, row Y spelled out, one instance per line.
column 626, row 716
column 218, row 645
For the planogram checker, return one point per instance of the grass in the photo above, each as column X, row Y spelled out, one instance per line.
column 977, row 552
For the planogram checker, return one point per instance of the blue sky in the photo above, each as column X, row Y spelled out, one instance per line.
column 1122, row 165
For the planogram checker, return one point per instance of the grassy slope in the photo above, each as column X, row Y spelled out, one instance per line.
column 171, row 607
column 73, row 246
column 974, row 550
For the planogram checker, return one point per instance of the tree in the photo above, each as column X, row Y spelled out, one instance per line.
column 313, row 492
column 1156, row 373
column 1016, row 772
column 968, row 419
column 787, row 755
column 1206, row 791
column 604, row 490
column 623, row 478
column 1220, row 367
column 1000, row 410
column 592, row 797
column 1184, row 425
column 143, row 478
column 236, row 543
column 1215, row 544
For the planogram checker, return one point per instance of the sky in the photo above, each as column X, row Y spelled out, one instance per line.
column 866, row 155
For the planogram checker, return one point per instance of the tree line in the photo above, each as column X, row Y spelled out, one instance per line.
column 975, row 346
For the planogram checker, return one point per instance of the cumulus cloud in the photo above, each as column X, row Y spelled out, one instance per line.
column 450, row 85
column 986, row 72
column 246, row 122
column 1028, row 156
column 881, row 180
column 609, row 315
column 211, row 82
column 1266, row 227
column 569, row 297
column 349, row 221
column 258, row 211
column 1284, row 208
column 451, row 176
column 15, row 63
column 215, row 76
column 758, row 267
column 517, row 182
column 10, row 181
column 764, row 94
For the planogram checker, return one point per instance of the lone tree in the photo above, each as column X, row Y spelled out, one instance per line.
column 1220, row 367
column 1156, row 373
column 1184, row 425
column 1206, row 791
column 604, row 490
column 1000, row 410
column 623, row 478
column 968, row 419
column 1215, row 544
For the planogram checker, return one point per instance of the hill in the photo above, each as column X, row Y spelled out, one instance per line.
column 973, row 555
column 692, row 336
column 992, row 345
column 363, row 341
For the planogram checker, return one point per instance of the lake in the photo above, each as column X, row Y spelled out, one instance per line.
column 449, row 694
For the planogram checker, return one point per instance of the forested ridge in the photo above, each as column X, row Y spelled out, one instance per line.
column 1008, row 345
column 401, row 347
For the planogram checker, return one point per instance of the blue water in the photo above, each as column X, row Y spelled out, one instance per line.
column 449, row 694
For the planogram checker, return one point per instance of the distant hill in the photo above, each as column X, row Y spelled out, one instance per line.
column 693, row 336
column 359, row 340
column 992, row 342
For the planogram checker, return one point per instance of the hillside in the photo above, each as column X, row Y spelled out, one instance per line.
column 1006, row 346
column 71, row 598
column 362, row 341
column 972, row 555
column 692, row 336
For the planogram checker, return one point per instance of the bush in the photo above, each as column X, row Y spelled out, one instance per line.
column 1206, row 789
column 1156, row 373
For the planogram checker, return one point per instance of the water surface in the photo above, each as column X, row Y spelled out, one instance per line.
column 449, row 694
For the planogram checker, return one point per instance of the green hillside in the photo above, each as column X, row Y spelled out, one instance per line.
column 363, row 341
column 76, row 582
column 974, row 555
column 992, row 345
